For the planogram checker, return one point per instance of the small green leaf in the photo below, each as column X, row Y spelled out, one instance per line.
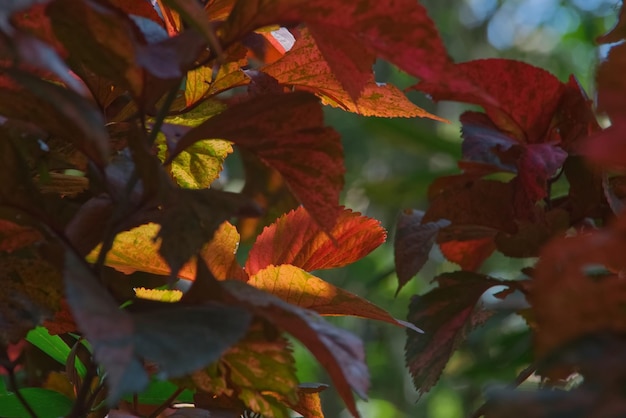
column 46, row 404
column 54, row 346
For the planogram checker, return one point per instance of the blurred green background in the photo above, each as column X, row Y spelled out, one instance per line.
column 390, row 164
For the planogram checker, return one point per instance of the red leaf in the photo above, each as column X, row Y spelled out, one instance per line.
column 354, row 31
column 523, row 98
column 296, row 239
column 340, row 352
column 286, row 131
column 446, row 314
column 296, row 286
column 485, row 203
column 383, row 100
column 413, row 243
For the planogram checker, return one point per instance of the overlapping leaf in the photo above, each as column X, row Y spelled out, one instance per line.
column 180, row 339
column 302, row 289
column 339, row 351
column 446, row 314
column 350, row 34
column 296, row 239
column 375, row 100
column 58, row 111
column 267, row 382
column 286, row 131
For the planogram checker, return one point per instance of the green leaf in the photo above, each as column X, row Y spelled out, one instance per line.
column 54, row 346
column 46, row 404
column 159, row 391
column 200, row 165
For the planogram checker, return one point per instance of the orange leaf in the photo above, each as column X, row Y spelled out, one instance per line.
column 383, row 100
column 302, row 289
column 296, row 239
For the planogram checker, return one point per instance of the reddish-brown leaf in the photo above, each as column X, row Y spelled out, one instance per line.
column 302, row 289
column 287, row 132
column 577, row 288
column 376, row 99
column 523, row 109
column 611, row 84
column 339, row 351
column 413, row 242
column 296, row 239
column 607, row 147
column 618, row 32
column 485, row 203
column 446, row 314
column 14, row 236
column 55, row 109
column 351, row 33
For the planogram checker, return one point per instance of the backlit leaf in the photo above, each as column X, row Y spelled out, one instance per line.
column 302, row 289
column 263, row 372
column 413, row 243
column 383, row 100
column 446, row 314
column 351, row 33
column 45, row 403
column 200, row 165
column 296, row 239
column 159, row 295
column 136, row 250
column 287, row 132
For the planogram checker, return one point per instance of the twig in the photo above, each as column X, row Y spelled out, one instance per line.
column 18, row 394
column 81, row 408
column 521, row 378
column 166, row 404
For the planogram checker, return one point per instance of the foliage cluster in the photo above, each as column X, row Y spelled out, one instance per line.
column 119, row 256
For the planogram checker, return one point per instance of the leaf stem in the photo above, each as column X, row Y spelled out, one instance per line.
column 166, row 404
column 81, row 408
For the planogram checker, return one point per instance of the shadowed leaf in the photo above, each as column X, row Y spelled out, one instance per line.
column 286, row 131
column 413, row 243
column 339, row 351
column 180, row 339
column 446, row 314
